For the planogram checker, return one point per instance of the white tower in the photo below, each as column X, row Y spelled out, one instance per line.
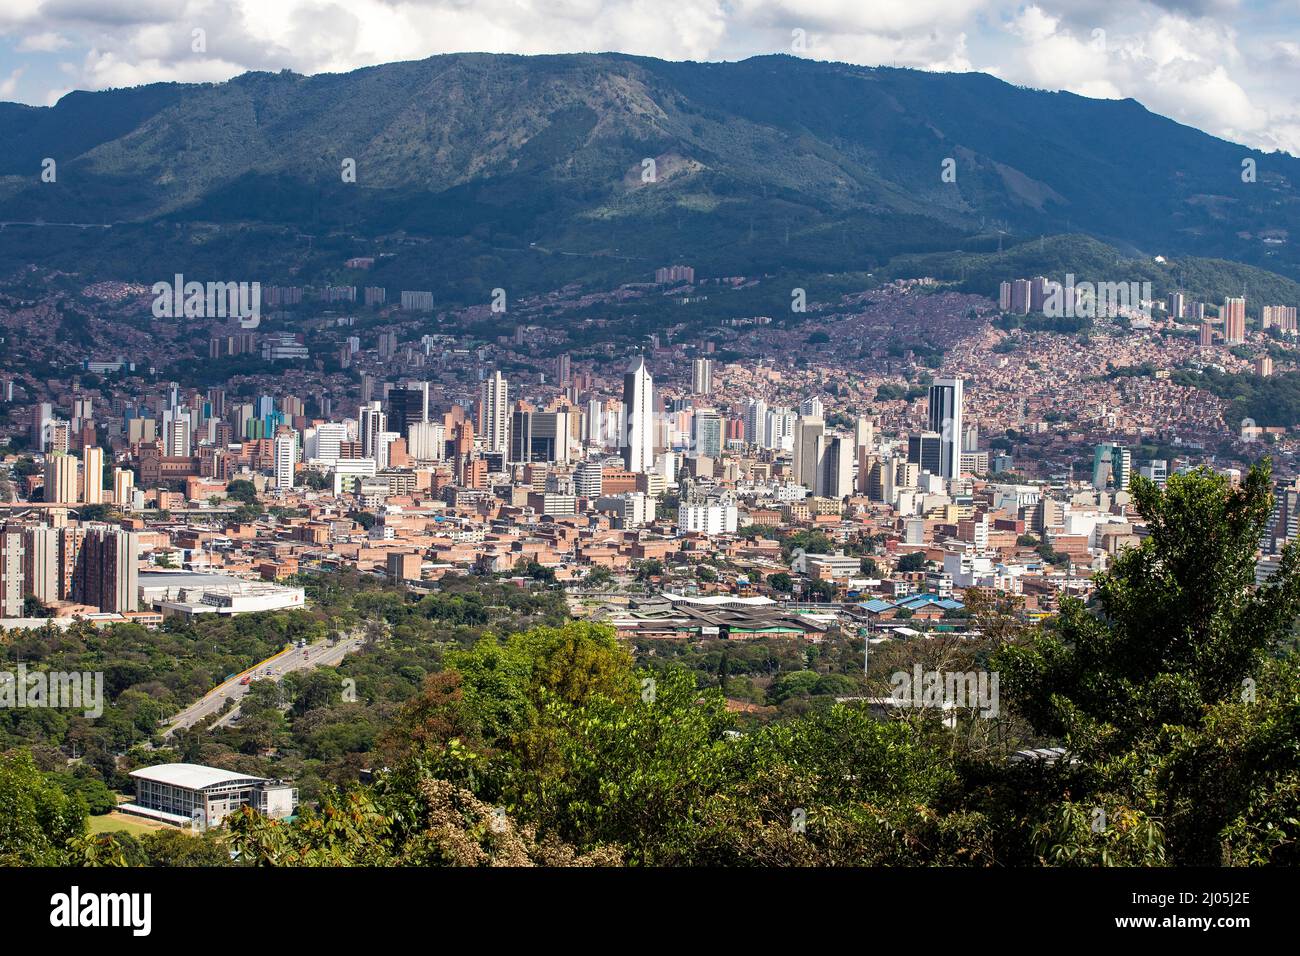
column 638, row 392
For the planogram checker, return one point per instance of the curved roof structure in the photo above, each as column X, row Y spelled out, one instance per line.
column 191, row 776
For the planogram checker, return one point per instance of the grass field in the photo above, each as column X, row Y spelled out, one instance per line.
column 116, row 822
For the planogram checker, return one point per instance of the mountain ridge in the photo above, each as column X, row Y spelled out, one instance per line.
column 830, row 164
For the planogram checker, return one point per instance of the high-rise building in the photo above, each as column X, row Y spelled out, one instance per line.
column 107, row 570
column 946, row 421
column 324, row 442
column 60, row 478
column 176, row 433
column 588, row 479
column 1004, row 297
column 926, row 451
column 42, row 415
column 778, row 433
column 673, row 274
column 702, row 376
column 1111, row 467
column 1176, row 305
column 1038, row 287
column 708, row 433
column 539, row 437
column 755, row 422
column 638, row 413
column 41, row 578
column 1157, row 470
column 1280, row 317
column 864, row 433
column 427, row 441
column 286, row 456
column 92, row 470
column 1234, row 320
column 494, row 413
column 836, row 473
column 123, row 486
column 1021, row 296
column 406, row 406
column 809, row 445
column 373, row 421
column 11, row 571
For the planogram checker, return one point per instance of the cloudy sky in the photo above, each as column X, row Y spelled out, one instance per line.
column 1231, row 67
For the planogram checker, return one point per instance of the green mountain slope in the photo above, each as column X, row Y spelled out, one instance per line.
column 487, row 161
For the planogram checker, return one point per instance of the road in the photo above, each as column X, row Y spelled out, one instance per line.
column 273, row 668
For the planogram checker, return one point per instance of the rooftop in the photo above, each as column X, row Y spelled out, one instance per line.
column 191, row 776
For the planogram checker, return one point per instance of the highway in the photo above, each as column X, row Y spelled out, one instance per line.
column 273, row 668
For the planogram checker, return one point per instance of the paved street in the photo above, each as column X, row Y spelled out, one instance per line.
column 273, row 668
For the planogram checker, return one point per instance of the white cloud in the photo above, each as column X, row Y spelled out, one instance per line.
column 46, row 42
column 10, row 83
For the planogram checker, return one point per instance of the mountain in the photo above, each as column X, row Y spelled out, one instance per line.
column 475, row 170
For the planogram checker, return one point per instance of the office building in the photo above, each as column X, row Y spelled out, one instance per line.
column 946, row 421
column 638, row 413
column 494, row 413
column 1111, row 467
column 926, row 452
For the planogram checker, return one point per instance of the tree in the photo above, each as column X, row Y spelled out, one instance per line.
column 781, row 582
column 821, row 590
column 1162, row 691
column 241, row 489
column 598, row 577
column 37, row 817
column 649, row 568
column 912, row 561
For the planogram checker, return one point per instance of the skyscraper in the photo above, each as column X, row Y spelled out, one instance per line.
column 836, row 473
column 539, row 437
column 638, row 413
column 1234, row 320
column 494, row 413
column 926, row 451
column 945, row 419
column 406, row 406
column 702, row 376
column 286, row 456
column 708, row 436
column 92, row 468
column 60, row 478
column 107, row 570
column 756, row 422
column 11, row 571
column 1111, row 467
column 373, row 422
column 123, row 486
column 809, row 439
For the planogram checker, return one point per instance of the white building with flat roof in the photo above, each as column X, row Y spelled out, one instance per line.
column 188, row 593
column 188, row 794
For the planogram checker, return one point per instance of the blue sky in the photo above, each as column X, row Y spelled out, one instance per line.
column 1230, row 67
